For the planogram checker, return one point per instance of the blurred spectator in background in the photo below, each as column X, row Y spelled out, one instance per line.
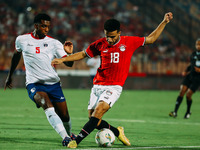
column 80, row 20
column 93, row 63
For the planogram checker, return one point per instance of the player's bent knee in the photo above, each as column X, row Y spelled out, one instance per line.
column 189, row 94
column 41, row 98
column 39, row 95
column 182, row 93
column 99, row 112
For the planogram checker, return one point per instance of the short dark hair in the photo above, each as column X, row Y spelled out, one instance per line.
column 112, row 25
column 40, row 17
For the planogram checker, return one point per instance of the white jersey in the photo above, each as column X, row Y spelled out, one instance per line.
column 37, row 55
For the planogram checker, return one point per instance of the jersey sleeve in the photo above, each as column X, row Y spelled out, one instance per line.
column 136, row 41
column 92, row 50
column 18, row 44
column 60, row 52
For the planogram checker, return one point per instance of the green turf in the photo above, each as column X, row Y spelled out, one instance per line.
column 144, row 115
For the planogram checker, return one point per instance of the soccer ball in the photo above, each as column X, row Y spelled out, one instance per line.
column 105, row 138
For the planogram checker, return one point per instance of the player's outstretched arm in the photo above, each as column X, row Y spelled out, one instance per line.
column 14, row 62
column 74, row 57
column 156, row 33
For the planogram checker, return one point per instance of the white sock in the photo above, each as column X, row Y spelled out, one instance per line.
column 68, row 126
column 55, row 122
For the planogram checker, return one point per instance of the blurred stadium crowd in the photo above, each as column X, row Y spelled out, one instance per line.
column 81, row 21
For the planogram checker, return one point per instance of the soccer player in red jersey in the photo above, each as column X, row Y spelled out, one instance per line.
column 115, row 52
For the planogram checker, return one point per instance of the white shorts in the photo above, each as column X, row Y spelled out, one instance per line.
column 109, row 94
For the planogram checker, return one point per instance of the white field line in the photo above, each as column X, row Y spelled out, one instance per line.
column 117, row 120
column 153, row 147
column 129, row 121
column 144, row 121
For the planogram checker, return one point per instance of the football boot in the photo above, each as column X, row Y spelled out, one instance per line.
column 72, row 144
column 122, row 137
column 187, row 115
column 173, row 114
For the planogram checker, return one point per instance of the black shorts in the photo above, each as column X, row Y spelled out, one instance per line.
column 191, row 82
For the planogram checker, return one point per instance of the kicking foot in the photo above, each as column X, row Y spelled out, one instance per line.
column 122, row 137
column 72, row 144
column 173, row 114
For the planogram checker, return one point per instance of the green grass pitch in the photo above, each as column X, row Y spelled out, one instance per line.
column 143, row 114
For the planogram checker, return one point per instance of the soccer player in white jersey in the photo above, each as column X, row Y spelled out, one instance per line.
column 42, row 81
column 115, row 52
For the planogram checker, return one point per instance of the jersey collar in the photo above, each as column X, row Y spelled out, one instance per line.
column 36, row 37
column 118, row 41
column 115, row 43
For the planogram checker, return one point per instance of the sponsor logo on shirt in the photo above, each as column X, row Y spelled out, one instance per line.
column 29, row 44
column 198, row 63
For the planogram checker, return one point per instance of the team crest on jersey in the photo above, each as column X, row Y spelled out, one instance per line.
column 122, row 47
column 108, row 93
column 45, row 45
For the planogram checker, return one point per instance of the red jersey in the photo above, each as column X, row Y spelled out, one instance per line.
column 115, row 59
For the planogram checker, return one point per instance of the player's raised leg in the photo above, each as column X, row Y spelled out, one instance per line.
column 99, row 111
column 85, row 131
column 42, row 99
column 118, row 132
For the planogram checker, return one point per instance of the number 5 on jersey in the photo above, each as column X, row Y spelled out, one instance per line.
column 37, row 50
column 114, row 57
